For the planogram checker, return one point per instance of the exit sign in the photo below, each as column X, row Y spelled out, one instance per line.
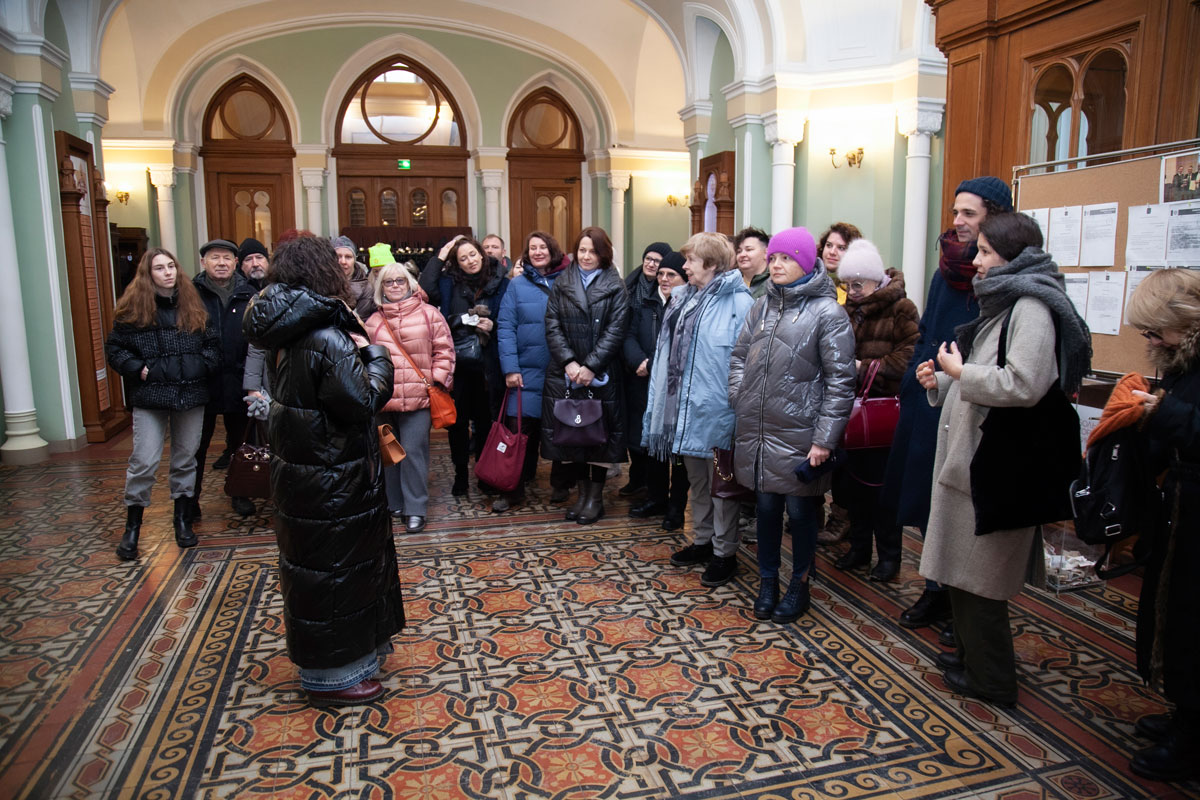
column 403, row 163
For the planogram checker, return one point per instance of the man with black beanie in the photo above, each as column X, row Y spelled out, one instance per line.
column 252, row 259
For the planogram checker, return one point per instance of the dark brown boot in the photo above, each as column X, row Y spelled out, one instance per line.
column 127, row 550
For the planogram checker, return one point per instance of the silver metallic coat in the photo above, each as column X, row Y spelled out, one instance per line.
column 791, row 384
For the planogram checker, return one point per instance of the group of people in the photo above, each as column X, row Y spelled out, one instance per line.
column 747, row 352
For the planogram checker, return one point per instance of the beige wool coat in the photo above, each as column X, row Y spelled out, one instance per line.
column 993, row 565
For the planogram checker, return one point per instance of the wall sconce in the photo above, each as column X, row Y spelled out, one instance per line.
column 854, row 157
column 675, row 201
column 122, row 195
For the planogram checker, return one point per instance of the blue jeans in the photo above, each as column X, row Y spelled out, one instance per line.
column 334, row 679
column 804, row 514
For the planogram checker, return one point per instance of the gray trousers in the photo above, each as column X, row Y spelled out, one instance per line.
column 407, row 483
column 150, row 427
column 713, row 519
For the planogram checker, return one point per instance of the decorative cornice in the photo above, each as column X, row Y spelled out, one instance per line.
column 618, row 180
column 87, row 82
column 650, row 155
column 739, row 88
column 139, row 144
column 700, row 108
column 492, row 178
column 489, row 152
column 921, row 115
column 746, row 119
column 311, row 149
column 695, row 139
column 26, row 44
column 312, row 177
column 86, row 118
column 38, row 88
column 163, row 177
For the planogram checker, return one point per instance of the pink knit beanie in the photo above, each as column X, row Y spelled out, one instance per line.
column 797, row 243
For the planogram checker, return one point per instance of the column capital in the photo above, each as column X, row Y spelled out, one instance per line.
column 920, row 115
column 163, row 177
column 312, row 177
column 784, row 127
column 696, row 139
column 700, row 108
column 618, row 180
column 6, row 96
column 492, row 178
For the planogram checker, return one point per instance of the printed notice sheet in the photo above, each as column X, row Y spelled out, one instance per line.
column 1077, row 290
column 1106, row 295
column 1133, row 277
column 1063, row 241
column 1146, row 240
column 1099, row 235
column 1042, row 217
column 1183, row 235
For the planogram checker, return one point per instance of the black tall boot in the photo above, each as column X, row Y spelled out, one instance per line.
column 593, row 503
column 127, row 549
column 184, row 536
column 1175, row 757
column 584, row 487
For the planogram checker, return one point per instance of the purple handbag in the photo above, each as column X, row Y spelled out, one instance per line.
column 579, row 422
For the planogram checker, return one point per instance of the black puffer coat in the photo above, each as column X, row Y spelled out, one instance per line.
column 225, row 384
column 337, row 560
column 1167, row 645
column 588, row 328
column 644, row 324
column 180, row 362
column 456, row 297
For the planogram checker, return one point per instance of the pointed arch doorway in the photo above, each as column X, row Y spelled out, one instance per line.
column 545, row 149
column 248, row 159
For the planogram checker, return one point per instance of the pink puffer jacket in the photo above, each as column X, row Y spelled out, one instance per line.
column 423, row 331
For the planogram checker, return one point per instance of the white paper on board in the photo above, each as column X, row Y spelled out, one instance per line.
column 1146, row 240
column 1133, row 277
column 1099, row 235
column 1106, row 297
column 1077, row 291
column 1042, row 217
column 1183, row 234
column 1063, row 241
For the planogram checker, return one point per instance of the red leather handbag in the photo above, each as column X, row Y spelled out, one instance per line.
column 503, row 457
column 873, row 421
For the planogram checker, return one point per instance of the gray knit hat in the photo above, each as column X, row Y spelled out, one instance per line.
column 344, row 241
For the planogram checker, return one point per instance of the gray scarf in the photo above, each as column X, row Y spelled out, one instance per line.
column 1034, row 274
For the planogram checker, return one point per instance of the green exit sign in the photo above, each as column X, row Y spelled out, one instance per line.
column 403, row 163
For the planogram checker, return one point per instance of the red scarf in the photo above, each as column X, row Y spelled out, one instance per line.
column 956, row 262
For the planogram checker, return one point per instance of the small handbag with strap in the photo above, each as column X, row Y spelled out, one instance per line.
column 579, row 421
column 873, row 420
column 249, row 472
column 442, row 411
column 724, row 483
column 503, row 458
column 390, row 449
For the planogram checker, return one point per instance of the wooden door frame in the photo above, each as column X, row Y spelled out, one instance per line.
column 527, row 164
column 238, row 158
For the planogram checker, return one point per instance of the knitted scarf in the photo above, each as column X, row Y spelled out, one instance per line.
column 956, row 263
column 1034, row 274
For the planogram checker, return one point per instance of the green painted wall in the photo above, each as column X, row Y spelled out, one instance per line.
column 650, row 219
column 720, row 133
column 753, row 150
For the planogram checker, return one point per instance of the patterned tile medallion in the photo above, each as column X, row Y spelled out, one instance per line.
column 542, row 660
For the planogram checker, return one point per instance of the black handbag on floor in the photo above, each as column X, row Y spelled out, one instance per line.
column 1022, row 470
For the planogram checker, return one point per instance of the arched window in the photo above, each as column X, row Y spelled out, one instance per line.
column 1078, row 105
column 543, row 121
column 399, row 136
column 545, row 150
column 245, row 111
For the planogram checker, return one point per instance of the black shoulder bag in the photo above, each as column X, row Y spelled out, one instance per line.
column 1021, row 472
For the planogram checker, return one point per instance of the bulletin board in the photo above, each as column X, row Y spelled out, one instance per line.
column 1128, row 183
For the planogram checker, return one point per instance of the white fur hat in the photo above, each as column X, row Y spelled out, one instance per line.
column 861, row 261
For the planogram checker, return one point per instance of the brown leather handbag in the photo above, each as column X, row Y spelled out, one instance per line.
column 249, row 472
column 390, row 449
column 724, row 485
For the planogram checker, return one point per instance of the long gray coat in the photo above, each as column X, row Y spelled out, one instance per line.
column 994, row 565
column 791, row 384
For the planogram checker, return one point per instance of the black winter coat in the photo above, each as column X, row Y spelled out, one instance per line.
column 456, row 298
column 180, row 362
column 644, row 324
column 225, row 385
column 588, row 328
column 1174, row 434
column 337, row 559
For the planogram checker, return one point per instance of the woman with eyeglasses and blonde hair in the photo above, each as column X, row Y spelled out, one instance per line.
column 422, row 350
column 1166, row 307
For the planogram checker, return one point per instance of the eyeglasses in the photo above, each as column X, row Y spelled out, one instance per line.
column 653, row 261
column 395, row 282
column 860, row 286
column 1153, row 336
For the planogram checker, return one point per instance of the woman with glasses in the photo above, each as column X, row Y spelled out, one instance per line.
column 422, row 351
column 885, row 330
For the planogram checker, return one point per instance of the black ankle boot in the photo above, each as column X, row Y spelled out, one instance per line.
column 127, row 549
column 184, row 536
column 932, row 606
column 573, row 512
column 593, row 504
column 794, row 603
column 459, row 488
column 768, row 598
column 1175, row 757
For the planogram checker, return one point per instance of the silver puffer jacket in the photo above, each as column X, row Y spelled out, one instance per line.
column 791, row 384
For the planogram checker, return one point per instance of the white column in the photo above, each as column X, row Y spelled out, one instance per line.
column 22, row 444
column 618, row 184
column 493, row 179
column 918, row 122
column 313, row 179
column 163, row 179
column 783, row 129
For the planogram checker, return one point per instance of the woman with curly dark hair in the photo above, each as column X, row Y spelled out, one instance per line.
column 337, row 559
column 831, row 246
column 162, row 344
column 468, row 285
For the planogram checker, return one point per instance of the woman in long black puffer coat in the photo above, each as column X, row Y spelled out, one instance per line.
column 337, row 559
column 587, row 317
column 1166, row 307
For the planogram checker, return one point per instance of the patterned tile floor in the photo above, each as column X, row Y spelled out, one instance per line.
column 542, row 660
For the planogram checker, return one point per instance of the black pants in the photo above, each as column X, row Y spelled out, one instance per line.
column 666, row 482
column 856, row 488
column 235, row 433
column 985, row 644
column 560, row 476
column 473, row 404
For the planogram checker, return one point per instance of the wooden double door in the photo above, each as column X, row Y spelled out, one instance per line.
column 249, row 198
column 545, row 194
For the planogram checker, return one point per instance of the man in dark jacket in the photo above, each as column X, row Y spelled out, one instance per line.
column 225, row 293
column 908, row 481
column 252, row 259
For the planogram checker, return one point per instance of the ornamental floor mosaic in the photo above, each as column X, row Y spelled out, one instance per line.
column 542, row 660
